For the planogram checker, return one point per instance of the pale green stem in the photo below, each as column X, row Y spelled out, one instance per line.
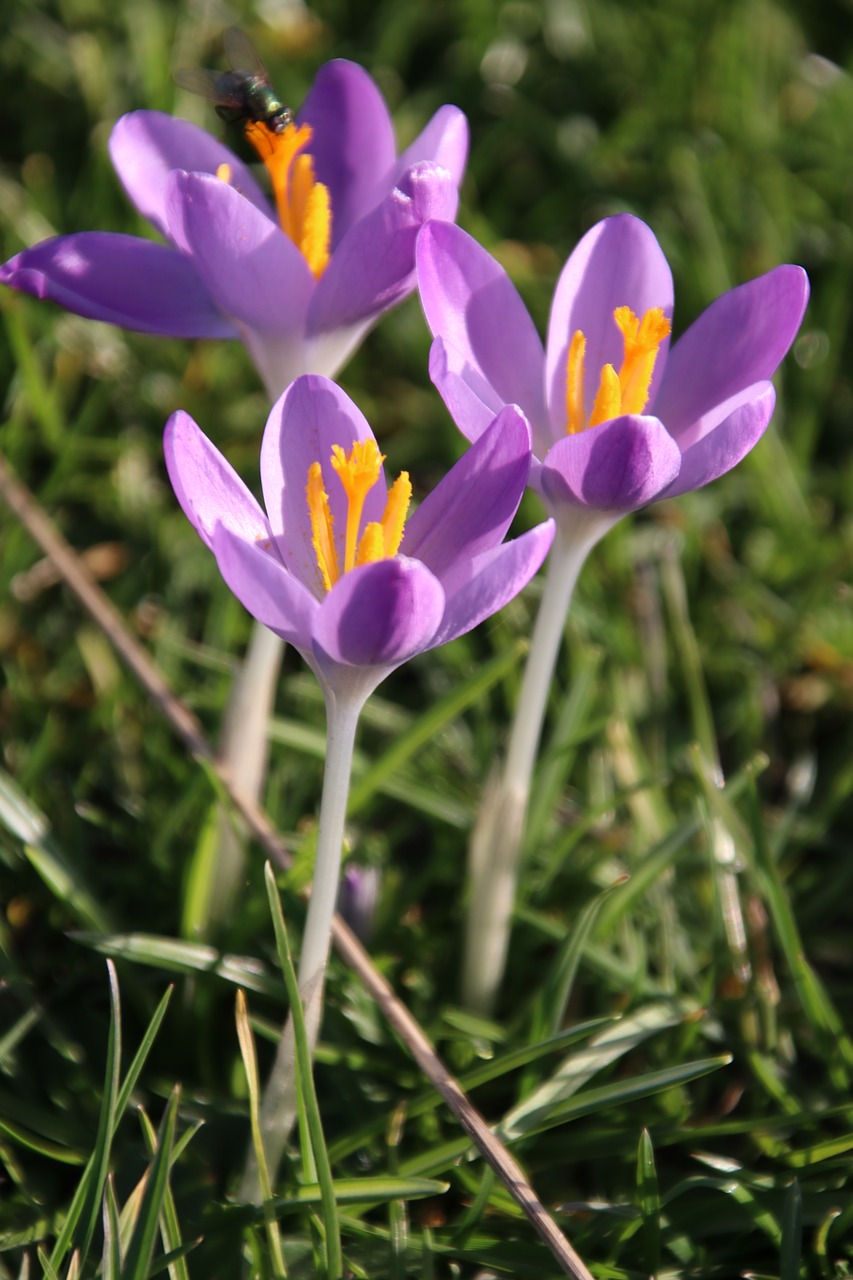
column 279, row 1106
column 244, row 749
column 496, row 840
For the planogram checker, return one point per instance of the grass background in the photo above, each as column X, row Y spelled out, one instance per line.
column 723, row 618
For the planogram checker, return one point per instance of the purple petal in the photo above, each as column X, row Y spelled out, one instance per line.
column 265, row 588
column 723, row 446
column 471, row 508
column 313, row 415
column 373, row 268
column 470, row 302
column 619, row 465
column 120, row 279
column 471, row 401
column 617, row 263
column 353, row 144
column 255, row 273
column 486, row 584
column 146, row 146
column 379, row 614
column 444, row 141
column 207, row 487
column 739, row 340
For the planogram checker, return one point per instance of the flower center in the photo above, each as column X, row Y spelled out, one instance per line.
column 358, row 471
column 303, row 204
column 626, row 391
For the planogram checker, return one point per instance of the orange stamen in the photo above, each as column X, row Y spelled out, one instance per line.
column 303, row 204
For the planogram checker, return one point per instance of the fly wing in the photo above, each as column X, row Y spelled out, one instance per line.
column 208, row 84
column 242, row 54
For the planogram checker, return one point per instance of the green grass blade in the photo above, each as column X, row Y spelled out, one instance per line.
column 334, row 1260
column 170, row 1230
column 141, row 1246
column 176, row 956
column 112, row 1237
column 95, row 1175
column 648, row 1200
column 791, row 1252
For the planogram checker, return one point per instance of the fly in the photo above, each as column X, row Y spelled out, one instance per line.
column 244, row 92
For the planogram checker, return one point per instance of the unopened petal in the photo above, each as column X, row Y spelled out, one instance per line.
column 618, row 466
column 379, row 614
column 444, row 141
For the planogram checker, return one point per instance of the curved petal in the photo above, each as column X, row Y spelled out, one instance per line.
column 122, row 280
column 444, row 141
column 617, row 263
column 473, row 505
column 723, row 446
column 379, row 614
column 353, row 141
column 145, row 146
column 620, row 465
column 470, row 302
column 311, row 417
column 255, row 273
column 374, row 266
column 471, row 401
column 265, row 588
column 207, row 487
column 488, row 583
column 739, row 340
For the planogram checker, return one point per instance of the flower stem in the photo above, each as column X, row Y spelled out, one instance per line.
column 496, row 840
column 279, row 1106
column 243, row 751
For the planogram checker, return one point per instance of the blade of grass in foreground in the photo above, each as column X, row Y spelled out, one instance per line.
column 334, row 1262
column 141, row 1247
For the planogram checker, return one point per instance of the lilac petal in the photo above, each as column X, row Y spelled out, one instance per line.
column 255, row 273
column 379, row 614
column 739, row 340
column 207, row 487
column 145, row 146
column 617, row 263
column 619, row 465
column 444, row 141
column 265, row 588
column 471, row 401
column 122, row 280
column 723, row 446
column 313, row 415
column 486, row 584
column 470, row 302
column 353, row 142
column 373, row 267
column 471, row 508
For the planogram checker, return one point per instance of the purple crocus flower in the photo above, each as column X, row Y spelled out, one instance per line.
column 618, row 419
column 299, row 284
column 330, row 567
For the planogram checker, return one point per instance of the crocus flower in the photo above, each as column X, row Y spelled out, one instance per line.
column 335, row 568
column 618, row 420
column 301, row 282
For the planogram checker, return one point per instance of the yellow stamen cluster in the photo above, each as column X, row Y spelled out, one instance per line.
column 626, row 391
column 358, row 471
column 303, row 204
